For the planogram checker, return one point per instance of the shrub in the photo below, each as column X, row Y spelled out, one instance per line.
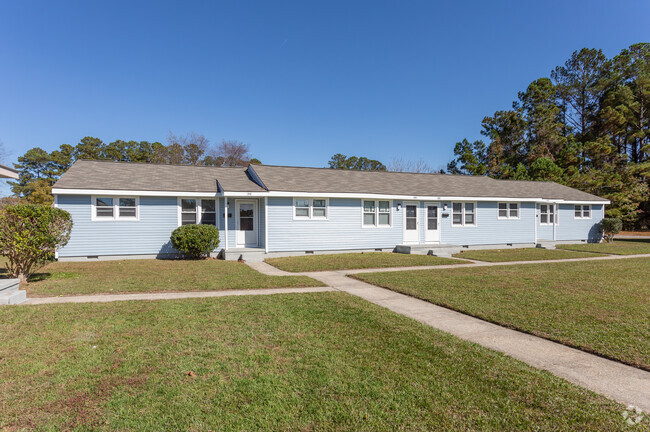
column 195, row 241
column 610, row 227
column 30, row 234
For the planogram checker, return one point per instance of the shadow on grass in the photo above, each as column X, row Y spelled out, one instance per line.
column 632, row 240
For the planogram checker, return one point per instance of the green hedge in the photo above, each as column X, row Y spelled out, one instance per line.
column 610, row 227
column 195, row 241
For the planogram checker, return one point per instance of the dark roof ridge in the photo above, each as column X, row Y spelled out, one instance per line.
column 369, row 171
column 156, row 163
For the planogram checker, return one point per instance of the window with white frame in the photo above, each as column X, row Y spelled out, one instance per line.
column 508, row 210
column 547, row 214
column 310, row 208
column 463, row 214
column 208, row 212
column 376, row 213
column 188, row 211
column 127, row 208
column 583, row 212
column 115, row 208
column 195, row 211
column 104, row 207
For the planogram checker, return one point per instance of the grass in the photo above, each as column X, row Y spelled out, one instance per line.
column 134, row 276
column 618, row 247
column 348, row 261
column 523, row 254
column 325, row 361
column 598, row 306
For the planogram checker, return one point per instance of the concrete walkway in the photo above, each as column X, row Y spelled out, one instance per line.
column 104, row 298
column 612, row 379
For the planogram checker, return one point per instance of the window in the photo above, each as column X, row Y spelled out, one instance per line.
column 197, row 211
column 115, row 208
column 307, row 208
column 376, row 213
column 319, row 208
column 127, row 208
column 208, row 212
column 188, row 211
column 508, row 210
column 547, row 214
column 583, row 212
column 104, row 207
column 463, row 214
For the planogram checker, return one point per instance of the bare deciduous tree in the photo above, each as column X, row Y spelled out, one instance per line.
column 187, row 149
column 231, row 153
column 418, row 166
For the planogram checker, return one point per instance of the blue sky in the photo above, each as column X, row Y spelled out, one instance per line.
column 298, row 81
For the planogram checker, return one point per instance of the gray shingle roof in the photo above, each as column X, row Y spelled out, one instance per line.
column 184, row 178
column 85, row 174
column 314, row 180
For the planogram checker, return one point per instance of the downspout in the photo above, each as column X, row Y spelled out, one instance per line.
column 266, row 224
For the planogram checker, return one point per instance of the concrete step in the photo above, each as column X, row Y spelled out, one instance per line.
column 430, row 249
column 248, row 255
column 9, row 292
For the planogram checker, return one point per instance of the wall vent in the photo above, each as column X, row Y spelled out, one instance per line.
column 309, row 252
column 92, row 257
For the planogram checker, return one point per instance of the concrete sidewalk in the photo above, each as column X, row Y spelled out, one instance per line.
column 615, row 380
column 104, row 298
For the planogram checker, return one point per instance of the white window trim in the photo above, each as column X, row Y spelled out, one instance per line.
column 376, row 224
column 116, row 209
column 311, row 209
column 464, row 225
column 199, row 213
column 556, row 212
column 508, row 210
column 582, row 211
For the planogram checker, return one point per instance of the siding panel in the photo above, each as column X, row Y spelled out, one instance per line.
column 341, row 231
column 489, row 228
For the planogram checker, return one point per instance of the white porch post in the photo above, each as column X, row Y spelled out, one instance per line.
column 266, row 224
column 225, row 219
column 555, row 217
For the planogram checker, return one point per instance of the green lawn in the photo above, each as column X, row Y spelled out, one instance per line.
column 599, row 306
column 129, row 276
column 618, row 247
column 325, row 361
column 523, row 254
column 347, row 261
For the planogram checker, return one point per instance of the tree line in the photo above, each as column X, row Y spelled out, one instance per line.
column 587, row 126
column 39, row 169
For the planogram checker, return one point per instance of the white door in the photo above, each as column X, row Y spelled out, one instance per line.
column 411, row 223
column 246, row 223
column 432, row 233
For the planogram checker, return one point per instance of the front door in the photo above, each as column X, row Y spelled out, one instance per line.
column 411, row 231
column 246, row 223
column 432, row 233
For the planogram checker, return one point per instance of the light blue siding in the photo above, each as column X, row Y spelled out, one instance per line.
column 570, row 228
column 341, row 231
column 149, row 235
column 489, row 229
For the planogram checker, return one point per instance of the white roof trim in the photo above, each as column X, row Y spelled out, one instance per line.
column 59, row 191
column 6, row 172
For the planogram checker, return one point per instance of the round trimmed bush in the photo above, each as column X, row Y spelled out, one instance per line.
column 610, row 227
column 195, row 241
